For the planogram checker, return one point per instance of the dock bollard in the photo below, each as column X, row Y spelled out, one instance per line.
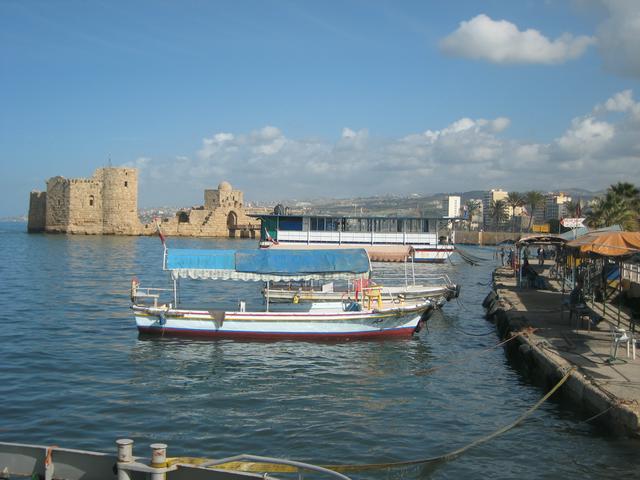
column 158, row 460
column 125, row 455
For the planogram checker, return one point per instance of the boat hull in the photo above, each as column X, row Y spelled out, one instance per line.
column 281, row 325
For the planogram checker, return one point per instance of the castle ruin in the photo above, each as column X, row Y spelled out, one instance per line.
column 222, row 215
column 107, row 204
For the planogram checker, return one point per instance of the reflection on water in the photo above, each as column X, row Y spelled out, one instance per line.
column 74, row 372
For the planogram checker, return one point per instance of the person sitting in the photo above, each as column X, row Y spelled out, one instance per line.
column 529, row 274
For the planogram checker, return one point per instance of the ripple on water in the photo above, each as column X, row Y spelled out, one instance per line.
column 73, row 372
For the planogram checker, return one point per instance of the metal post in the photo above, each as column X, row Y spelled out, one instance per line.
column 267, row 295
column 158, row 460
column 125, row 455
column 175, row 293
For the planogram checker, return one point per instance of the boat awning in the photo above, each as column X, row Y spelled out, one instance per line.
column 609, row 244
column 268, row 264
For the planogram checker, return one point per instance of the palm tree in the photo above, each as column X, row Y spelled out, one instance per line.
column 498, row 212
column 472, row 207
column 534, row 200
column 514, row 200
column 620, row 205
column 613, row 209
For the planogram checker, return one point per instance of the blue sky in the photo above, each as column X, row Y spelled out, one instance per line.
column 301, row 99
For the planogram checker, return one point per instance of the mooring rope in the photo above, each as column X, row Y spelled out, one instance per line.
column 467, row 357
column 355, row 468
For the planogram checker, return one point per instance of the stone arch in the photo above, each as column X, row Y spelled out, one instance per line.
column 232, row 220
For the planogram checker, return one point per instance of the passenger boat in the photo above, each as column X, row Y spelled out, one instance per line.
column 369, row 316
column 383, row 237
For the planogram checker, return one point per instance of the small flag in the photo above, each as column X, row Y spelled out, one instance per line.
column 268, row 237
column 162, row 239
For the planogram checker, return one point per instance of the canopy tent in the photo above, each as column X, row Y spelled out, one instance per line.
column 268, row 264
column 541, row 239
column 609, row 244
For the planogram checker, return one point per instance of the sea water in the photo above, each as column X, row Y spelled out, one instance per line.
column 74, row 373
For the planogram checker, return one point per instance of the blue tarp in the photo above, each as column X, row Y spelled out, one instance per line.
column 200, row 259
column 268, row 264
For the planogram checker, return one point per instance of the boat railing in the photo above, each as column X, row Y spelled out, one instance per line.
column 301, row 466
column 426, row 279
column 151, row 293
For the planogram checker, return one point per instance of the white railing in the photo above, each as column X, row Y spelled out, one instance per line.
column 371, row 238
column 631, row 271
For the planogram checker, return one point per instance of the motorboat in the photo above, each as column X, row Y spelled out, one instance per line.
column 371, row 315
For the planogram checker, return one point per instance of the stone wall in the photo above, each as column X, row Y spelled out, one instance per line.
column 119, row 200
column 37, row 212
column 484, row 238
column 57, row 218
column 107, row 203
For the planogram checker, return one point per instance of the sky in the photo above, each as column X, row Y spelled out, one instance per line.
column 294, row 99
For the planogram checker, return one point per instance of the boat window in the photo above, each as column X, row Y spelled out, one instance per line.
column 399, row 225
column 291, row 224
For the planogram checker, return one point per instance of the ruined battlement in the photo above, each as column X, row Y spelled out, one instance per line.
column 107, row 204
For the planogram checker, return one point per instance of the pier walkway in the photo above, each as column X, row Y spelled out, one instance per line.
column 551, row 341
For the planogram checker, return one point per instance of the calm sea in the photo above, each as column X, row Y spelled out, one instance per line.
column 74, row 373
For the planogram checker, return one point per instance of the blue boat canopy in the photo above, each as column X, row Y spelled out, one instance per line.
column 268, row 264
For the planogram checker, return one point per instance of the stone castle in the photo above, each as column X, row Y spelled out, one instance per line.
column 107, row 204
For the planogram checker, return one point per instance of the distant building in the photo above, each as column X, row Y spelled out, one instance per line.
column 453, row 210
column 555, row 206
column 488, row 198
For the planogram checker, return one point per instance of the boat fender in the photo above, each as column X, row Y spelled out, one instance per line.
column 296, row 298
column 135, row 283
column 162, row 319
column 458, row 288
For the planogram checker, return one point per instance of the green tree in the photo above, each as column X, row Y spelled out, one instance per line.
column 498, row 212
column 514, row 200
column 534, row 200
column 612, row 209
column 473, row 207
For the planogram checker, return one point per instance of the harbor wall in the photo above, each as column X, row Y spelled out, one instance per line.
column 535, row 356
column 37, row 212
column 467, row 237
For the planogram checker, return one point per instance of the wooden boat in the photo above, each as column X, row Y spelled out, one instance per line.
column 384, row 238
column 369, row 316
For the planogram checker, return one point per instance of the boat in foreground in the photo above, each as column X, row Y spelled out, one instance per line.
column 369, row 316
column 49, row 462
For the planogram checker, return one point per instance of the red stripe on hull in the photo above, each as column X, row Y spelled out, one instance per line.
column 398, row 332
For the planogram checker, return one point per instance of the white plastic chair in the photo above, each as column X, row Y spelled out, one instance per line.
column 618, row 336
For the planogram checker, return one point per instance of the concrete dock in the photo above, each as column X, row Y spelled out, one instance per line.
column 548, row 343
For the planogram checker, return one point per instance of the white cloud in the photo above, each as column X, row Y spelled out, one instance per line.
column 618, row 36
column 596, row 149
column 500, row 41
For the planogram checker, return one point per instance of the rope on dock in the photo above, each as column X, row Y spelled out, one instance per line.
column 355, row 468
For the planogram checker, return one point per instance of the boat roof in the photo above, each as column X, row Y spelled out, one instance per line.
column 268, row 264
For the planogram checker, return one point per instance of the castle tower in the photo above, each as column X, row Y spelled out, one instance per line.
column 119, row 200
column 37, row 212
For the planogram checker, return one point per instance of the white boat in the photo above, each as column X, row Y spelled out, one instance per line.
column 384, row 238
column 369, row 316
column 296, row 292
column 48, row 462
